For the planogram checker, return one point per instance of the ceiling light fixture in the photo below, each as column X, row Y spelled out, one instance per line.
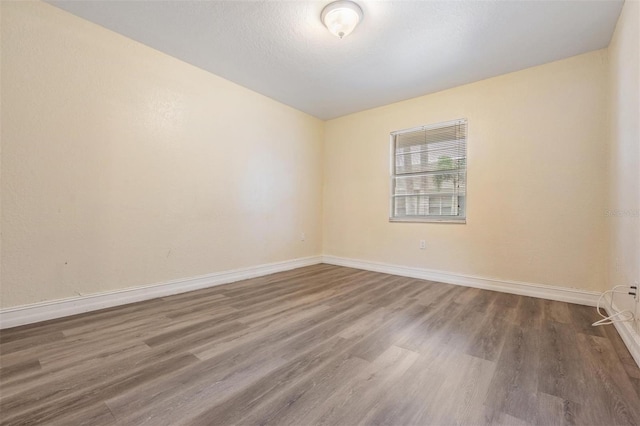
column 341, row 17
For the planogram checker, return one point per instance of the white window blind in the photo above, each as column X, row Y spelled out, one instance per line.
column 429, row 173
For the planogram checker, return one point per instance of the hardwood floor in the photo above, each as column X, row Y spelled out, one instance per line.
column 322, row 345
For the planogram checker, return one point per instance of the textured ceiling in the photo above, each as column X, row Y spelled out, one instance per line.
column 402, row 49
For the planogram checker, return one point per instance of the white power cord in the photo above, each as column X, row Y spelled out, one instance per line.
column 618, row 316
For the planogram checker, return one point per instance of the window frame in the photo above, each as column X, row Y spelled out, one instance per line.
column 392, row 175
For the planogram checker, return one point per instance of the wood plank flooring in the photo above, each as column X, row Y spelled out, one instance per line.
column 322, row 345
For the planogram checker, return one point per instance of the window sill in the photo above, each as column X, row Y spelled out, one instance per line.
column 427, row 220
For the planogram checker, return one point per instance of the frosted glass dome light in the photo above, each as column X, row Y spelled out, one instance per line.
column 341, row 17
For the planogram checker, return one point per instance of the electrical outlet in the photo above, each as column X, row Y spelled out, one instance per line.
column 423, row 244
column 302, row 236
column 637, row 310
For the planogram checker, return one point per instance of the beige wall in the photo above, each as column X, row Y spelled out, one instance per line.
column 122, row 166
column 536, row 179
column 624, row 182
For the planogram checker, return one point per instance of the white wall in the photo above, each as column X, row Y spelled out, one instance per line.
column 536, row 179
column 122, row 166
column 624, row 150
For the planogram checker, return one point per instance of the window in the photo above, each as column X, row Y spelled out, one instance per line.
column 429, row 173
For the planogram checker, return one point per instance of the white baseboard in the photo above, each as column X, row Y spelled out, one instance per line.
column 27, row 314
column 562, row 294
column 629, row 336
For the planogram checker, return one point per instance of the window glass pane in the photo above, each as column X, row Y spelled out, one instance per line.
column 429, row 177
